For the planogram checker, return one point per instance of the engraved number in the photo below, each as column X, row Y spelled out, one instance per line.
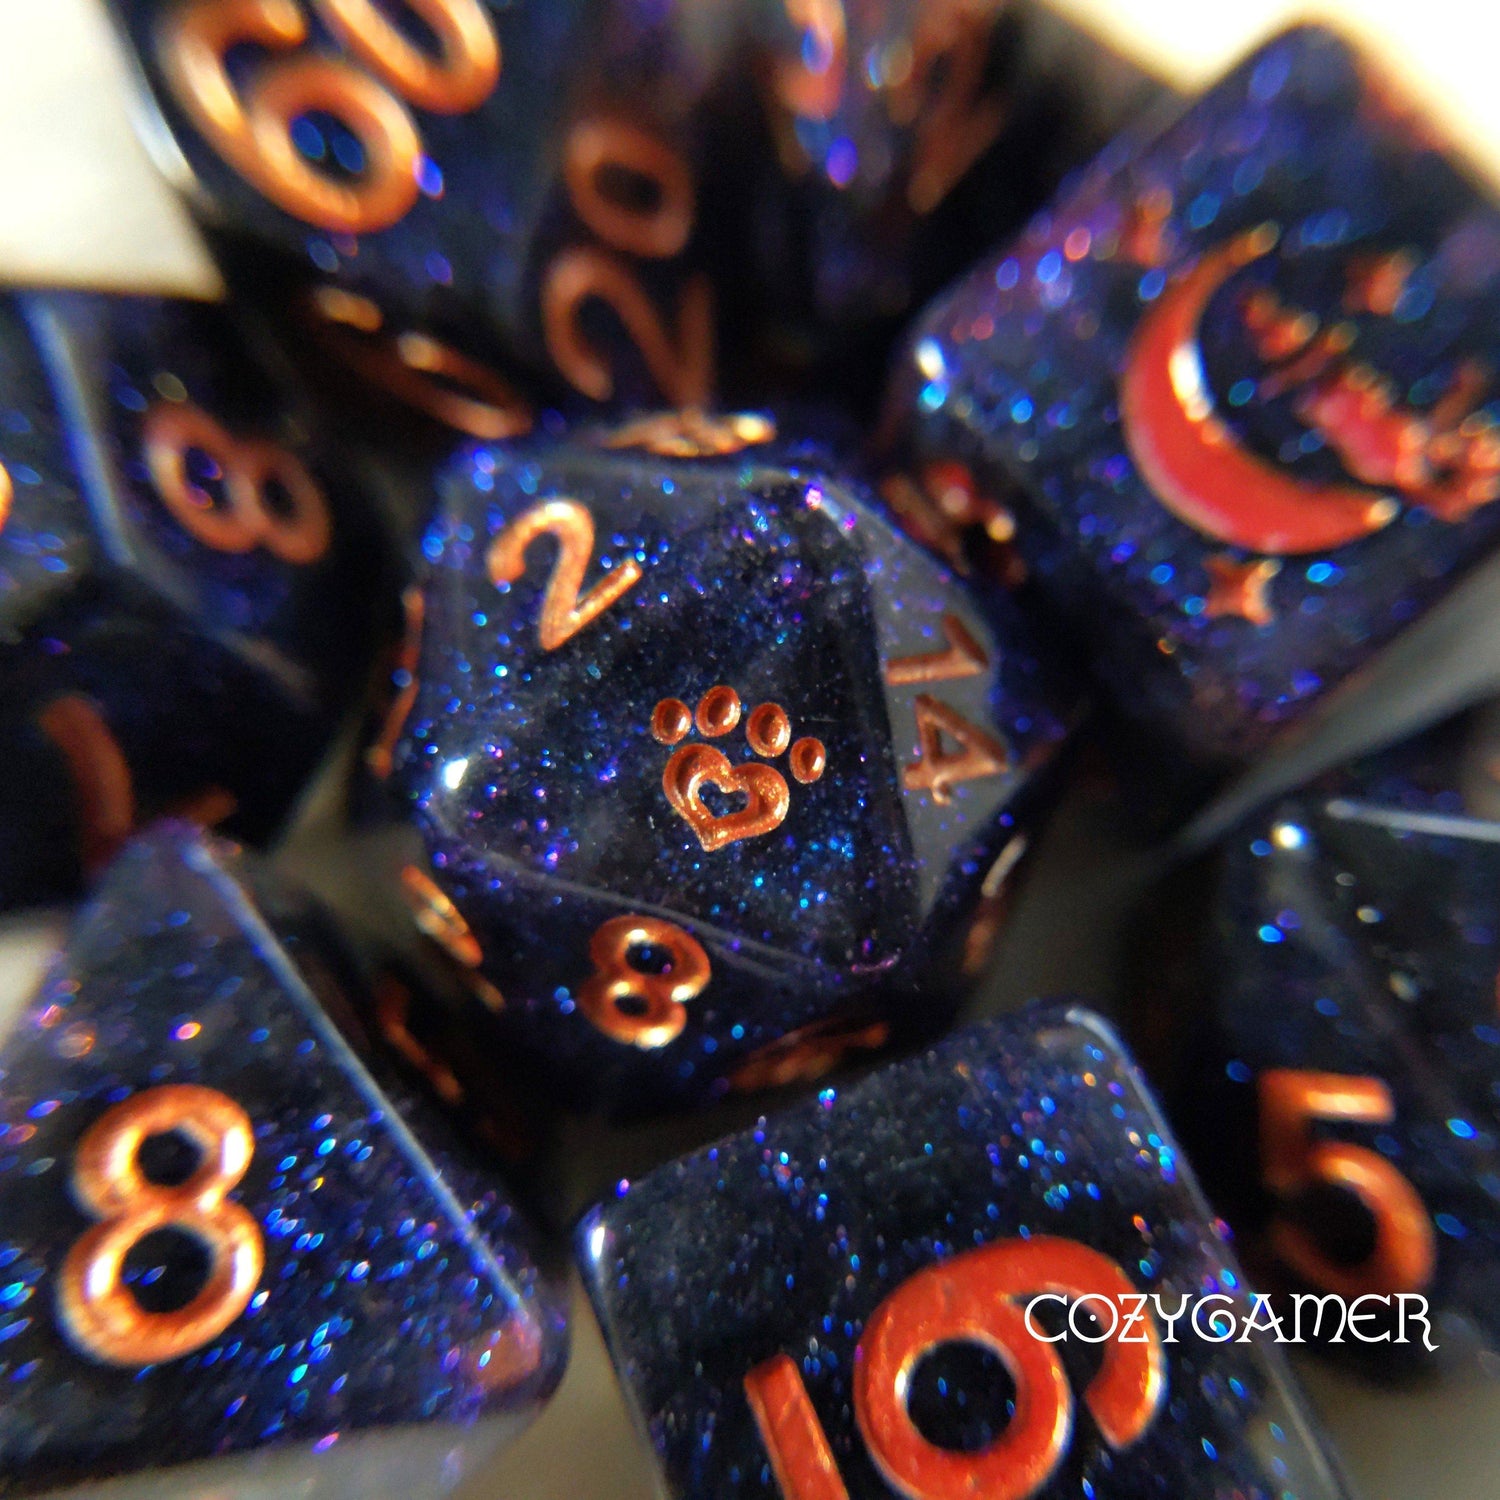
column 937, row 769
column 253, row 131
column 423, row 372
column 657, row 227
column 98, row 1310
column 631, row 1004
column 296, row 529
column 974, row 1298
column 1292, row 1160
column 564, row 610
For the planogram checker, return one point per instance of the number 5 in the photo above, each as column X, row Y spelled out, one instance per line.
column 1292, row 1160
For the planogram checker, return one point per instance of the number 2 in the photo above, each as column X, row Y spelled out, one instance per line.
column 564, row 611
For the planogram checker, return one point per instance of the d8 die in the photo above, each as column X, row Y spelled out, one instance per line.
column 1339, row 1078
column 464, row 180
column 189, row 581
column 221, row 1239
column 885, row 1293
column 1235, row 391
column 711, row 764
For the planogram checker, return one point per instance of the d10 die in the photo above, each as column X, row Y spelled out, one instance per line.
column 188, row 579
column 711, row 764
column 1236, row 394
column 1339, row 1078
column 887, row 1291
column 221, row 1239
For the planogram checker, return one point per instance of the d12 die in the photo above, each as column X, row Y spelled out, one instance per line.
column 189, row 581
column 467, row 179
column 221, row 1239
column 1235, row 391
column 1339, row 1071
column 893, row 143
column 886, row 1291
column 711, row 764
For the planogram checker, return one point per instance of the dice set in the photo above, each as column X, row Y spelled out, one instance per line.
column 714, row 746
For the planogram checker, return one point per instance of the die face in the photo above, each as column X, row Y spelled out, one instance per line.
column 1365, row 906
column 894, row 143
column 515, row 180
column 1230, row 386
column 181, row 547
column 328, row 1272
column 728, row 739
column 1009, row 1156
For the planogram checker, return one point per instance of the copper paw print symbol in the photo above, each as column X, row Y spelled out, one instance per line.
column 768, row 732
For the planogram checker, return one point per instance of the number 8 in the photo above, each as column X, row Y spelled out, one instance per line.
column 98, row 1310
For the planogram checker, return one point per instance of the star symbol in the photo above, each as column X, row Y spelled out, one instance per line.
column 1239, row 589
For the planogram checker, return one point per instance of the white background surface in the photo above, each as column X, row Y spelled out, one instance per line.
column 81, row 204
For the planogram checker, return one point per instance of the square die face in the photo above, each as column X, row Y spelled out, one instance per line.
column 1237, row 385
column 218, row 1236
column 834, row 1303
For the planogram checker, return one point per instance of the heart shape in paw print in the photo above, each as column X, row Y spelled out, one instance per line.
column 693, row 767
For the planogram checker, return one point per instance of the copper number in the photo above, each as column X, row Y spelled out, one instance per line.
column 462, row 77
column 653, row 1011
column 254, row 133
column 564, row 611
column 171, row 431
column 680, row 363
column 1293, row 1160
column 974, row 1297
column 97, row 1308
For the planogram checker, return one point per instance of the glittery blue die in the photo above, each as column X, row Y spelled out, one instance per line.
column 1342, row 993
column 382, row 1324
column 723, row 774
column 870, row 1262
column 522, row 181
column 1237, row 389
column 183, row 566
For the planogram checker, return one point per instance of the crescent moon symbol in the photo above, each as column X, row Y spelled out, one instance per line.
column 1190, row 458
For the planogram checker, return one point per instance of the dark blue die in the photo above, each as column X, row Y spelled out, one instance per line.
column 1236, row 392
column 1339, row 1072
column 720, row 775
column 894, row 143
column 888, row 1291
column 222, row 1236
column 189, row 579
column 459, row 181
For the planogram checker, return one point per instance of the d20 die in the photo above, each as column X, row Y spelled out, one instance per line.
column 884, row 1293
column 1235, row 391
column 222, row 1239
column 189, row 576
column 711, row 763
column 1339, row 1079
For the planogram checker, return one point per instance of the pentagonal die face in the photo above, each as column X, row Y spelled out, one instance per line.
column 222, row 1241
column 1236, row 389
column 704, row 753
column 841, row 1303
